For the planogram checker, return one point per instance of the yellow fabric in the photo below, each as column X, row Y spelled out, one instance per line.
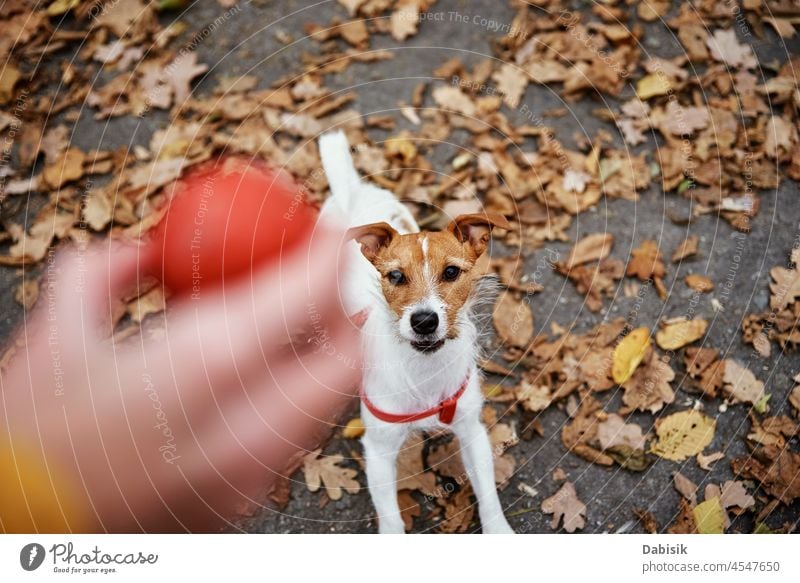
column 33, row 500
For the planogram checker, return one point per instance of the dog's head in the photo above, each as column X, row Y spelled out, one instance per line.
column 428, row 278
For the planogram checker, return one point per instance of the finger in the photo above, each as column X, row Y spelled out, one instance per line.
column 221, row 337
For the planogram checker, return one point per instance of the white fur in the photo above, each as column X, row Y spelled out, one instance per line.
column 397, row 378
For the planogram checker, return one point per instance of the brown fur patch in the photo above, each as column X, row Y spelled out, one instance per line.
column 405, row 253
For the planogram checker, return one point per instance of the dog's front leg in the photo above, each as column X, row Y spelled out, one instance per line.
column 476, row 452
column 381, row 446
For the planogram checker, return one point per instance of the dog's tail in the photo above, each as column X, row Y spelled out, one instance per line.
column 334, row 149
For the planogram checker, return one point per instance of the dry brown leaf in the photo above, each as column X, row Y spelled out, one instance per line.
column 683, row 434
column 451, row 98
column 180, row 74
column 565, row 504
column 705, row 461
column 725, row 47
column 645, row 262
column 685, row 487
column 591, row 248
column 152, row 302
column 786, row 285
column 404, row 20
column 614, row 431
column 459, row 511
column 409, row 508
column 97, row 210
column 9, row 76
column 687, row 248
column 511, row 82
column 27, row 293
column 411, row 473
column 66, row 168
column 679, row 332
column 740, row 384
column 513, row 320
column 533, row 397
column 649, row 388
column 699, row 283
column 325, row 471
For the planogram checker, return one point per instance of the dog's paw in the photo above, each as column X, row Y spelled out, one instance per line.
column 498, row 526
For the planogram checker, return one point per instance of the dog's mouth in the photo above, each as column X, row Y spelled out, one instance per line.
column 428, row 345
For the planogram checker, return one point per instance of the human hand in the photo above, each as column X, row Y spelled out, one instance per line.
column 176, row 433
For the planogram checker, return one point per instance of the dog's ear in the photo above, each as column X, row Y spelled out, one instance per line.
column 475, row 229
column 372, row 238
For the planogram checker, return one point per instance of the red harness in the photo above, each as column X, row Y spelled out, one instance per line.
column 446, row 409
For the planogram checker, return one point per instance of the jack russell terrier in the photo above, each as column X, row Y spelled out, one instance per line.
column 415, row 292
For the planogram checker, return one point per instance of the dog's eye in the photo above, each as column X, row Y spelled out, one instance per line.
column 396, row 277
column 451, row 273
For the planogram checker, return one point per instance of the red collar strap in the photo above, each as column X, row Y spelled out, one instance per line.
column 446, row 409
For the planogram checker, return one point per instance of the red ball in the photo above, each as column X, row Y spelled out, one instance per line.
column 227, row 217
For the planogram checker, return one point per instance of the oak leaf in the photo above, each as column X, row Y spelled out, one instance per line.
column 325, row 471
column 565, row 504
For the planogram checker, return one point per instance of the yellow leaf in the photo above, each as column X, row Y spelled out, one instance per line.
column 401, row 146
column 652, row 85
column 679, row 333
column 683, row 434
column 629, row 353
column 61, row 6
column 709, row 517
column 9, row 75
column 354, row 429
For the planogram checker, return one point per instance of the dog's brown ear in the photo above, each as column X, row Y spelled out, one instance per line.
column 372, row 238
column 475, row 229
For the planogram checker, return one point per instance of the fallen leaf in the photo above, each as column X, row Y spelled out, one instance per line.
column 614, row 431
column 629, row 353
column 97, row 209
column 786, row 285
column 653, row 85
column 533, row 397
column 725, row 47
column 152, row 302
column 354, row 429
column 66, row 168
column 9, row 75
column 705, row 461
column 180, row 74
column 699, row 283
column 591, row 248
column 409, row 508
column 511, row 82
column 687, row 248
column 565, row 504
column 649, row 388
column 735, row 495
column 451, row 98
column 678, row 333
column 458, row 512
column 683, row 434
column 645, row 262
column 513, row 320
column 325, row 471
column 27, row 293
column 709, row 517
column 411, row 472
column 685, row 487
column 740, row 384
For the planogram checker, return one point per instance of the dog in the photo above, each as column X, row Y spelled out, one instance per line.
column 415, row 293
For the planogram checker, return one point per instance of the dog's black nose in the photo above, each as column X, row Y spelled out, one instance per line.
column 424, row 322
